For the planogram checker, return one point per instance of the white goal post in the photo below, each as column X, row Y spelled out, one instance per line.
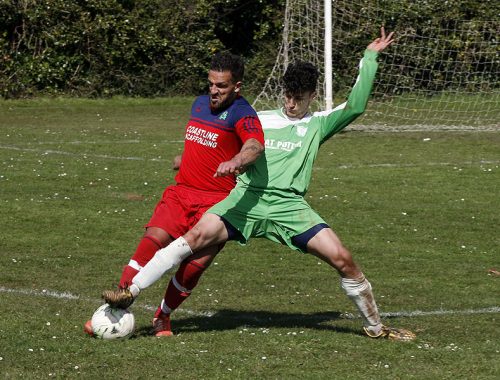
column 439, row 74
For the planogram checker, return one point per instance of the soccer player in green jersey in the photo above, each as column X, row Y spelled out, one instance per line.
column 268, row 200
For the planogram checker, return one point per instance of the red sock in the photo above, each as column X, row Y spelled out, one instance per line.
column 186, row 277
column 145, row 251
column 158, row 312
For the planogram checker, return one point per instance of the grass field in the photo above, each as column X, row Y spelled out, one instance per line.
column 420, row 212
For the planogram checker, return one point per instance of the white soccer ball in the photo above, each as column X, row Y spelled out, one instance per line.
column 111, row 323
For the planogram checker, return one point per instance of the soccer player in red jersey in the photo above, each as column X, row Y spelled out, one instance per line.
column 223, row 137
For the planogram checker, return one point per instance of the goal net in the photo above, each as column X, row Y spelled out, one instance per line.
column 439, row 74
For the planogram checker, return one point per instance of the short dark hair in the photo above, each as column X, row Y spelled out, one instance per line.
column 300, row 77
column 225, row 61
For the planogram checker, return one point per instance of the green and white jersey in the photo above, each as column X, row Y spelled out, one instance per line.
column 291, row 146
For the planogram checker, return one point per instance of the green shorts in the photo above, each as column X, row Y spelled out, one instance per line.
column 266, row 214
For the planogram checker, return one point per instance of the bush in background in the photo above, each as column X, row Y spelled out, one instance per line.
column 96, row 48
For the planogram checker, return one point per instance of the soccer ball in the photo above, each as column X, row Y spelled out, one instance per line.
column 111, row 323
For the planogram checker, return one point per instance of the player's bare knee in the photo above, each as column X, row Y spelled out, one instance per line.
column 349, row 270
column 194, row 237
column 202, row 235
column 345, row 264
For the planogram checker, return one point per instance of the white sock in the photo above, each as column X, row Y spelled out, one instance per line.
column 360, row 292
column 134, row 289
column 163, row 260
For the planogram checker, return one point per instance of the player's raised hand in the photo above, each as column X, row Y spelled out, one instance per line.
column 381, row 42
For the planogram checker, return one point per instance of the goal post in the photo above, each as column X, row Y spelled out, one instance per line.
column 441, row 72
column 328, row 55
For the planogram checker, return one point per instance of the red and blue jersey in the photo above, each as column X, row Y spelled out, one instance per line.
column 212, row 138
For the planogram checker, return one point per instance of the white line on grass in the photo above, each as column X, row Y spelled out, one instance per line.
column 342, row 166
column 398, row 314
column 422, row 128
column 481, row 162
column 44, row 293
column 419, row 313
column 83, row 155
column 101, row 142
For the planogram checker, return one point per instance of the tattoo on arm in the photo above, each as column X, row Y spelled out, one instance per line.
column 250, row 152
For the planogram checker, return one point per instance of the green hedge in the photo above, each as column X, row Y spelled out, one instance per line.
column 108, row 47
column 97, row 48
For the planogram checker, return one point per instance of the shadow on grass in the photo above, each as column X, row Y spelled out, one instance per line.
column 227, row 319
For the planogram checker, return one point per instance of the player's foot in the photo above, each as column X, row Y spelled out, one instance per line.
column 88, row 328
column 161, row 325
column 118, row 299
column 392, row 333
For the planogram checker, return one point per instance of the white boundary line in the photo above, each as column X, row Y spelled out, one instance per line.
column 376, row 128
column 398, row 314
column 111, row 142
column 388, row 165
column 480, row 162
column 70, row 296
column 83, row 155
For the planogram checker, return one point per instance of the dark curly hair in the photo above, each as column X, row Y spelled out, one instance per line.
column 225, row 61
column 300, row 77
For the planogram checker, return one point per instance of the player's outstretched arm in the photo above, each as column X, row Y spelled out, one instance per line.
column 381, row 42
column 358, row 98
column 249, row 153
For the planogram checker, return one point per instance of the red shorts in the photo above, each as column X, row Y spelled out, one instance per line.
column 181, row 208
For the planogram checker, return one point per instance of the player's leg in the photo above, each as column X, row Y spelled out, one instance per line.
column 313, row 235
column 180, row 287
column 235, row 225
column 189, row 272
column 210, row 230
column 326, row 245
column 186, row 278
column 154, row 239
column 168, row 219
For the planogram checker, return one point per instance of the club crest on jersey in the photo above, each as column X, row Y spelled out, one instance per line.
column 301, row 131
column 223, row 115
